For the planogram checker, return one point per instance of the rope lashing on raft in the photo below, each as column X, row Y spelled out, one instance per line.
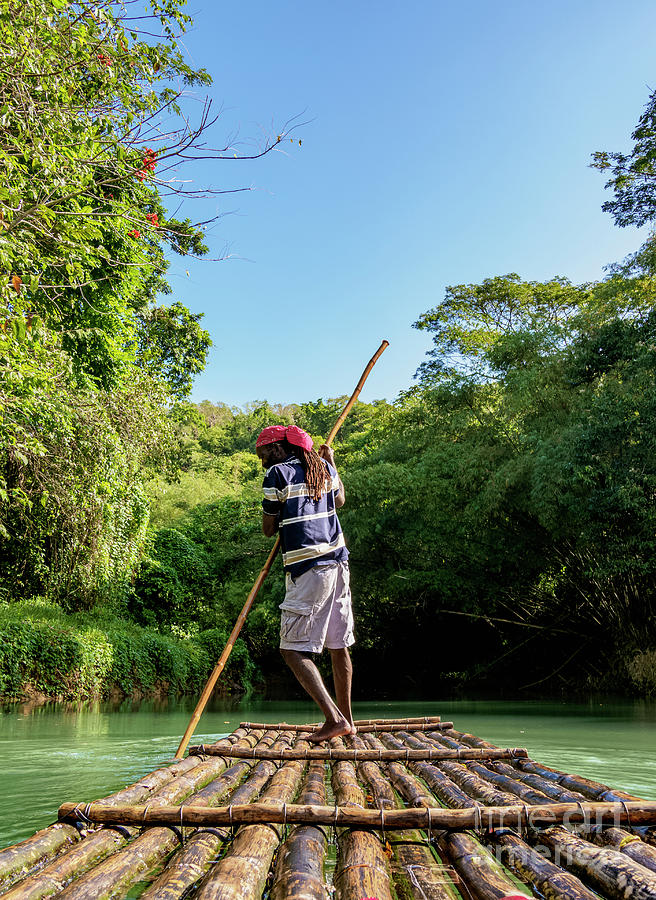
column 83, row 814
column 580, row 806
column 84, row 821
column 522, row 827
column 627, row 839
column 120, row 829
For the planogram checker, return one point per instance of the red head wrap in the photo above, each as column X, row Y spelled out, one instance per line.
column 293, row 434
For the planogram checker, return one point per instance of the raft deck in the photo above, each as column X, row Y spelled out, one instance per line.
column 405, row 809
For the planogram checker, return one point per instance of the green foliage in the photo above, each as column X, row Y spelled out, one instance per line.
column 88, row 364
column 72, row 466
column 505, row 500
column 77, row 657
column 632, row 174
column 240, row 668
column 83, row 231
column 171, row 583
column 173, row 345
column 642, row 670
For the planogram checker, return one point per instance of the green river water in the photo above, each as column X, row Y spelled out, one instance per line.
column 63, row 752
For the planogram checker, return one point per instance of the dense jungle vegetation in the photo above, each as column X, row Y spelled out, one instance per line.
column 503, row 504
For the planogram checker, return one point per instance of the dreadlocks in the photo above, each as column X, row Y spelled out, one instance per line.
column 315, row 469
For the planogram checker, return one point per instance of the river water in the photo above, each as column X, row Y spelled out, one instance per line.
column 81, row 752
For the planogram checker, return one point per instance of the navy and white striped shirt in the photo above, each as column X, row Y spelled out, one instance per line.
column 310, row 532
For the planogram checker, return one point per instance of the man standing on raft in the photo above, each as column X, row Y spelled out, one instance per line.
column 302, row 492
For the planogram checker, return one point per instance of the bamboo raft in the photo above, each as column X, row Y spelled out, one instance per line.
column 409, row 809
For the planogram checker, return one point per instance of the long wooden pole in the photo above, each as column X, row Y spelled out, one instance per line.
column 437, row 817
column 234, row 634
column 359, row 755
column 281, row 726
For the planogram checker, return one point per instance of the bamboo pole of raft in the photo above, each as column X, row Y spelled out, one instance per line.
column 299, row 870
column 518, row 855
column 440, row 784
column 116, row 875
column 508, row 785
column 483, row 877
column 529, row 866
column 73, row 860
column 593, row 790
column 625, row 842
column 359, row 754
column 499, row 816
column 19, row 860
column 234, row 634
column 420, row 720
column 200, row 850
column 620, row 879
column 548, row 879
column 617, row 838
column 550, row 789
column 536, row 791
column 607, row 871
column 517, row 782
column 556, row 784
column 99, row 845
column 363, row 729
column 242, row 873
column 362, row 865
column 497, row 789
column 416, row 872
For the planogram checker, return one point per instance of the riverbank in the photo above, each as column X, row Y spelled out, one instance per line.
column 46, row 654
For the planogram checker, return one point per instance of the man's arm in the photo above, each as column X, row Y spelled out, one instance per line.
column 326, row 452
column 271, row 505
column 269, row 524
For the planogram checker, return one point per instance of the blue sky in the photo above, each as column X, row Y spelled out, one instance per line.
column 445, row 143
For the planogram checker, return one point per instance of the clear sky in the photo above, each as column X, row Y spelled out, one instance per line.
column 447, row 142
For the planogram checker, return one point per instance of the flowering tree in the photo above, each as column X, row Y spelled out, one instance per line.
column 94, row 127
column 94, row 130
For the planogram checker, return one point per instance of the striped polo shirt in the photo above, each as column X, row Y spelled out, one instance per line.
column 310, row 532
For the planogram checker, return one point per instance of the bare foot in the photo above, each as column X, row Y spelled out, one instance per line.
column 354, row 730
column 330, row 730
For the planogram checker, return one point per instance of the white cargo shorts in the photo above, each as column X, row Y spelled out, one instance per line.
column 316, row 611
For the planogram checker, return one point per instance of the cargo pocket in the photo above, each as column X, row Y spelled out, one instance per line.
column 295, row 628
column 296, row 615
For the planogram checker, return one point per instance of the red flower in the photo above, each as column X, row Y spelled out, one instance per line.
column 148, row 163
column 153, row 219
column 104, row 59
column 135, row 233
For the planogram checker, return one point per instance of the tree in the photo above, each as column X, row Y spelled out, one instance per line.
column 633, row 180
column 94, row 132
column 94, row 127
column 173, row 346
